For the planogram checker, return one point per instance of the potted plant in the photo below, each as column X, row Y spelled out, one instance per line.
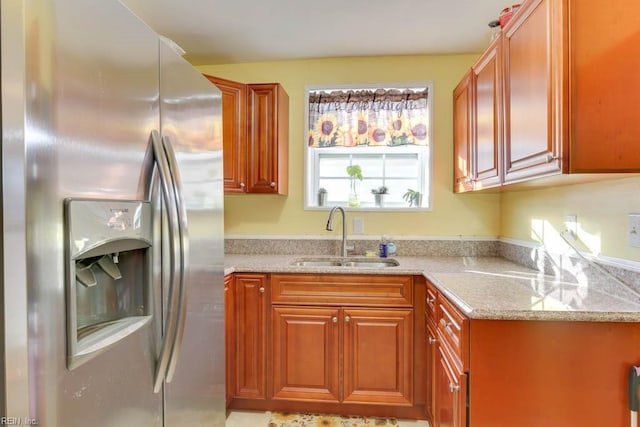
column 378, row 194
column 322, row 196
column 354, row 172
column 414, row 198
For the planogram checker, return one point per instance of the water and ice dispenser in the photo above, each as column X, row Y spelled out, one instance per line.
column 108, row 274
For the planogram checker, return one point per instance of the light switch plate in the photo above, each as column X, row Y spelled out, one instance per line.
column 634, row 230
column 358, row 225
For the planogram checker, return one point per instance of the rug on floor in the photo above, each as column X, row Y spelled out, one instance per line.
column 283, row 419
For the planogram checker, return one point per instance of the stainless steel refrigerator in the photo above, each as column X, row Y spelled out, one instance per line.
column 112, row 224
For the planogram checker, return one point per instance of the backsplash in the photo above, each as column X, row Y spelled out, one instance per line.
column 574, row 268
column 328, row 247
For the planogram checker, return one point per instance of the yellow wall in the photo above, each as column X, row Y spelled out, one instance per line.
column 602, row 210
column 452, row 215
column 531, row 215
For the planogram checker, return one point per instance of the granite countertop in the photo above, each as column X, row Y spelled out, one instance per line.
column 486, row 287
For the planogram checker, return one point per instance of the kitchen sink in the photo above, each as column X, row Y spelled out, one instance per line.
column 346, row 262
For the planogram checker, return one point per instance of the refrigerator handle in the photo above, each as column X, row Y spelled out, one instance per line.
column 183, row 256
column 168, row 195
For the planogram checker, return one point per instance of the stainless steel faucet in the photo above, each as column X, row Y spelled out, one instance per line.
column 345, row 248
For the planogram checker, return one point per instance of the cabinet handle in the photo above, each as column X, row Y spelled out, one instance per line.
column 551, row 158
column 261, row 290
column 272, row 185
column 242, row 185
column 445, row 323
column 453, row 387
column 347, row 319
column 430, row 301
column 334, row 319
column 432, row 340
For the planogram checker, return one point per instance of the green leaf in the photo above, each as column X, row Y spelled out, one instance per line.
column 355, row 171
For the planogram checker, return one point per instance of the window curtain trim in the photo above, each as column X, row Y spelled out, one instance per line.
column 382, row 117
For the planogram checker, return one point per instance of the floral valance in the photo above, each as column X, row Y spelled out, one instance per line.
column 382, row 117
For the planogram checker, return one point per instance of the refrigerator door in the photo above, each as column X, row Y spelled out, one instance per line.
column 80, row 95
column 191, row 127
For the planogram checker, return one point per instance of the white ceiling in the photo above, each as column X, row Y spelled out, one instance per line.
column 234, row 31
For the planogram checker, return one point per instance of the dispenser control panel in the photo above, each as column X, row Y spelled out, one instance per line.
column 92, row 223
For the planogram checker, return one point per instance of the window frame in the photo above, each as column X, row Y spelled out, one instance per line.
column 310, row 161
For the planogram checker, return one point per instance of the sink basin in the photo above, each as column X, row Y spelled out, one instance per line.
column 346, row 262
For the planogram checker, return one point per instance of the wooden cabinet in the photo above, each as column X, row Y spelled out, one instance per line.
column 329, row 343
column 477, row 118
column 229, row 338
column 448, row 356
column 250, row 298
column 450, row 392
column 306, row 353
column 255, row 121
column 338, row 352
column 462, row 138
column 431, row 349
column 378, row 356
column 529, row 373
column 533, row 87
column 268, row 139
column 567, row 93
column 234, row 133
column 369, row 349
column 487, row 119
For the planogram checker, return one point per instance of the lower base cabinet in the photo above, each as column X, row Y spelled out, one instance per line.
column 331, row 343
column 526, row 373
column 450, row 392
column 343, row 355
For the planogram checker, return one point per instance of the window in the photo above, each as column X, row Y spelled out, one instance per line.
column 381, row 135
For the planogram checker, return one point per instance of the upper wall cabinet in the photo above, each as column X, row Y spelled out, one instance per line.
column 487, row 110
column 565, row 93
column 255, row 120
column 477, row 118
column 462, row 127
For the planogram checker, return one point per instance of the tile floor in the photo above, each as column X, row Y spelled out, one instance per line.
column 261, row 419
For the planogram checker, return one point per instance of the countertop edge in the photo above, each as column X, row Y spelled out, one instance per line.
column 471, row 312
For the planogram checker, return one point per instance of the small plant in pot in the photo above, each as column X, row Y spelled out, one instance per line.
column 354, row 172
column 378, row 194
column 413, row 197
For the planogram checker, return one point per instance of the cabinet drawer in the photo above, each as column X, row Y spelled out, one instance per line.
column 342, row 289
column 431, row 295
column 453, row 328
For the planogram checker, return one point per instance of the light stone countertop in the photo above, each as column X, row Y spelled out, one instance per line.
column 485, row 287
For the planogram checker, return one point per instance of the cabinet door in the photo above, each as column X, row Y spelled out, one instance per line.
column 306, row 348
column 604, row 86
column 487, row 142
column 234, row 133
column 462, row 135
column 268, row 138
column 430, row 363
column 533, row 98
column 451, row 403
column 250, row 332
column 229, row 340
column 378, row 356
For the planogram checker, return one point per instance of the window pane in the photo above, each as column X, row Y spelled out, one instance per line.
column 334, row 165
column 402, row 165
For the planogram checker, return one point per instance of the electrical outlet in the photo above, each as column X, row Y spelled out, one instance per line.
column 358, row 225
column 634, row 230
column 571, row 226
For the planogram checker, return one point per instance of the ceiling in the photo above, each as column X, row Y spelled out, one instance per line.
column 235, row 31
